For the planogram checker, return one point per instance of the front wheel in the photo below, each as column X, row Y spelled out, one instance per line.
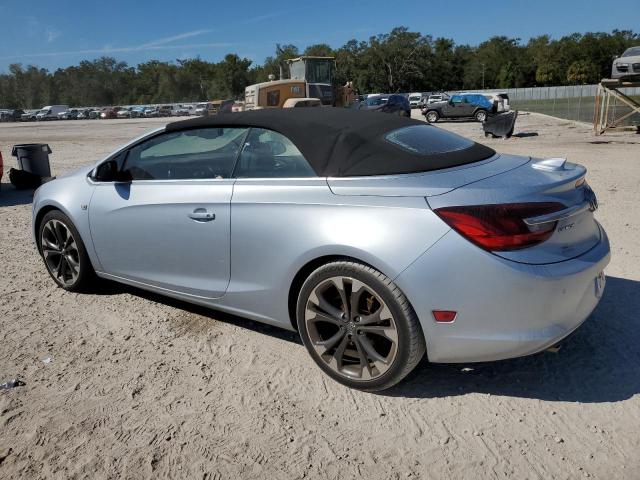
column 64, row 253
column 432, row 116
column 358, row 326
column 481, row 115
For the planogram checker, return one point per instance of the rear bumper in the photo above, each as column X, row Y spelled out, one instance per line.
column 505, row 309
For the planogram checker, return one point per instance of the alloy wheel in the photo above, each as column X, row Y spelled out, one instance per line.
column 351, row 328
column 60, row 252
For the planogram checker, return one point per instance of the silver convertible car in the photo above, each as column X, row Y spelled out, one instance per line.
column 378, row 238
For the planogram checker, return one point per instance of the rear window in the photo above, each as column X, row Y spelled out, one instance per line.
column 427, row 140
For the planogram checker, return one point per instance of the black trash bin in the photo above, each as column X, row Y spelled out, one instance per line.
column 500, row 125
column 33, row 158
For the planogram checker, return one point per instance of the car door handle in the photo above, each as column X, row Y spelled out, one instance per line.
column 202, row 215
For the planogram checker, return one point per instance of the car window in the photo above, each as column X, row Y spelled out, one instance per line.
column 427, row 140
column 268, row 154
column 191, row 154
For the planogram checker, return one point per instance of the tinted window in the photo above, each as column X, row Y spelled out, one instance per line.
column 190, row 154
column 319, row 71
column 427, row 140
column 268, row 154
column 273, row 98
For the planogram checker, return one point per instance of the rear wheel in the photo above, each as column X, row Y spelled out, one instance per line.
column 432, row 116
column 63, row 252
column 358, row 326
column 481, row 115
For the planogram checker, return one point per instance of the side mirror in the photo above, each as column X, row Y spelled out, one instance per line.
column 108, row 172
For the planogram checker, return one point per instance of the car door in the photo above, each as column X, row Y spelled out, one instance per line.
column 275, row 191
column 468, row 106
column 452, row 107
column 168, row 224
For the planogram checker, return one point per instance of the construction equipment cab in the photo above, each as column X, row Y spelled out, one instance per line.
column 317, row 73
column 310, row 77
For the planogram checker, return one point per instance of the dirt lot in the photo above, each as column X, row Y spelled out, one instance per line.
column 140, row 386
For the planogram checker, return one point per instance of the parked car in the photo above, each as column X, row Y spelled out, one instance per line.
column 109, row 112
column 500, row 101
column 29, row 116
column 11, row 115
column 437, row 97
column 71, row 114
column 332, row 235
column 465, row 105
column 164, row 110
column 124, row 112
column 151, row 112
column 397, row 105
column 372, row 102
column 84, row 114
column 415, row 99
column 223, row 106
column 627, row 65
column 203, row 109
column 94, row 114
column 137, row 112
column 51, row 112
column 182, row 110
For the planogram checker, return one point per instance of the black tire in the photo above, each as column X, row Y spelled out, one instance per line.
column 86, row 276
column 410, row 346
column 480, row 115
column 432, row 116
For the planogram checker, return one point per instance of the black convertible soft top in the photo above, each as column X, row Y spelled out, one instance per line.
column 340, row 142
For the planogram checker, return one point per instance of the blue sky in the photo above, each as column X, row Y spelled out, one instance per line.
column 58, row 33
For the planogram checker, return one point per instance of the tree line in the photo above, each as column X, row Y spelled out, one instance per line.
column 398, row 61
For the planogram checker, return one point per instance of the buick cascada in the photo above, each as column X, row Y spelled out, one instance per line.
column 379, row 238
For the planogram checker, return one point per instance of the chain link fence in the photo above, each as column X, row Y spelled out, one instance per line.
column 569, row 102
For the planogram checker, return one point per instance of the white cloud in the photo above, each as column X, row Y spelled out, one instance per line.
column 181, row 36
column 52, row 34
column 154, row 45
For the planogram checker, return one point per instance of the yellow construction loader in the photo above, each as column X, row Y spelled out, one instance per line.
column 309, row 78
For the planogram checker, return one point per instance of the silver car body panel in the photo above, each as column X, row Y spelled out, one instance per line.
column 505, row 309
column 436, row 182
column 265, row 231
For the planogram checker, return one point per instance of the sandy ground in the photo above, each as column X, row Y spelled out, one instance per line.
column 145, row 387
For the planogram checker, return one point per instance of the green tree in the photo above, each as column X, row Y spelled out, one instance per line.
column 582, row 72
column 319, row 50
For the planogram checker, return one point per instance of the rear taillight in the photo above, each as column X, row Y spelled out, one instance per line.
column 501, row 227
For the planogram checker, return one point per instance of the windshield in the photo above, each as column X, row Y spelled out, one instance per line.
column 319, row 71
column 415, row 97
column 631, row 52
